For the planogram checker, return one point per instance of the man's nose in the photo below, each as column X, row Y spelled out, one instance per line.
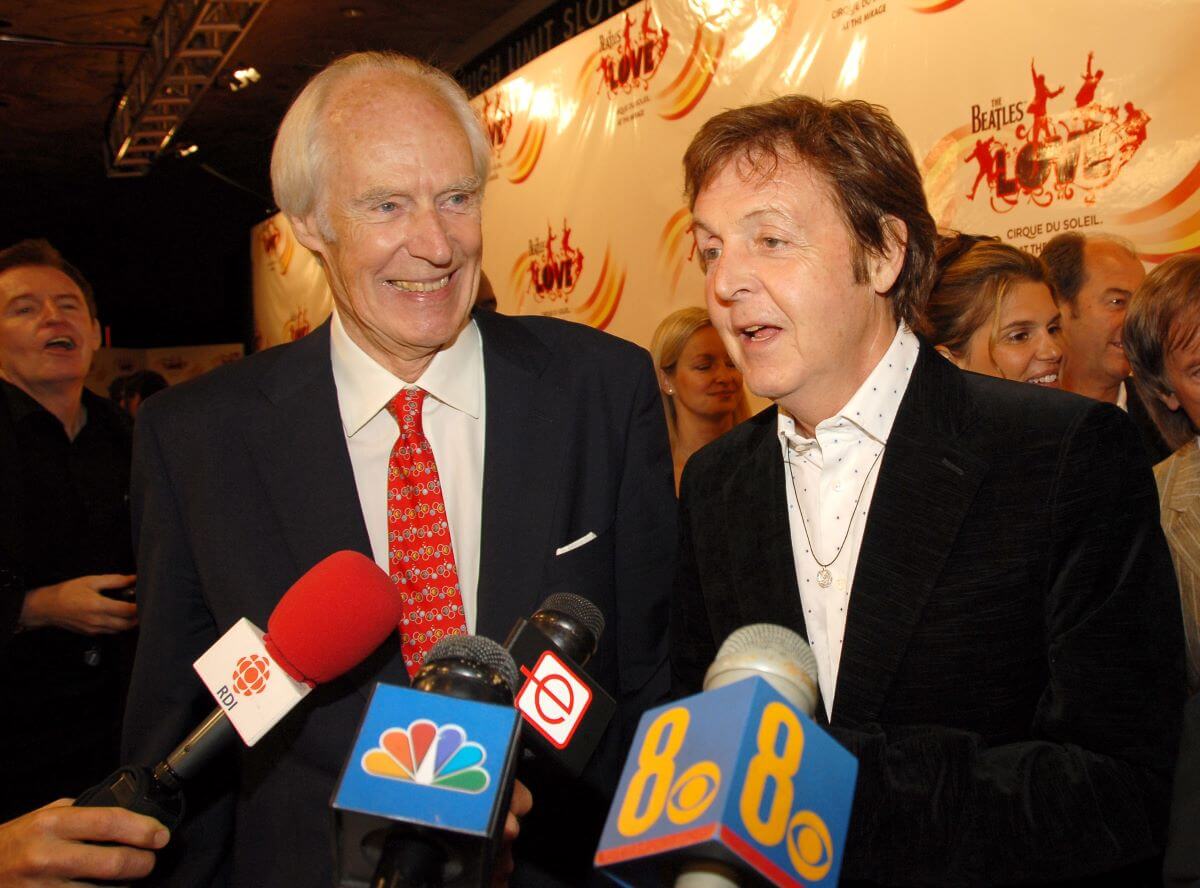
column 728, row 276
column 428, row 239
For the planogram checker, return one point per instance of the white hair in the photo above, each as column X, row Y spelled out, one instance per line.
column 299, row 154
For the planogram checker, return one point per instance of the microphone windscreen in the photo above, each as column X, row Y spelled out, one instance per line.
column 772, row 652
column 333, row 617
column 478, row 650
column 578, row 608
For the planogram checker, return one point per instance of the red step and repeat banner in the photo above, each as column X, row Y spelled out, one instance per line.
column 1028, row 118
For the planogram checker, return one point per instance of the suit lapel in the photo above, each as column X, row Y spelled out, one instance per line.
column 522, row 454
column 300, row 452
column 927, row 481
column 754, row 526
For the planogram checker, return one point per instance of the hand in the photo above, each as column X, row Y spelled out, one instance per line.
column 53, row 845
column 518, row 807
column 78, row 606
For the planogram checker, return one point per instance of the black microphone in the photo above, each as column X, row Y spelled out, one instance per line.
column 426, row 788
column 564, row 712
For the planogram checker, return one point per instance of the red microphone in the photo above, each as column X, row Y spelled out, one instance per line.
column 332, row 618
column 328, row 622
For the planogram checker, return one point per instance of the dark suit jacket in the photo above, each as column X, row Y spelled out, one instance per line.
column 242, row 481
column 1182, row 865
column 1011, row 674
column 1157, row 449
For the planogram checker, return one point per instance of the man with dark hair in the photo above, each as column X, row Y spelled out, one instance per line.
column 1094, row 278
column 65, row 553
column 977, row 563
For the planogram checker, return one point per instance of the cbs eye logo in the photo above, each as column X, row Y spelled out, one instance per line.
column 809, row 846
column 693, row 792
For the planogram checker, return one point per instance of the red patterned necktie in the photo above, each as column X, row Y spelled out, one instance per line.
column 420, row 558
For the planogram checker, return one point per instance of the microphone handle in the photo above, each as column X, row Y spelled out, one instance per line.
column 211, row 737
column 409, row 860
column 707, row 874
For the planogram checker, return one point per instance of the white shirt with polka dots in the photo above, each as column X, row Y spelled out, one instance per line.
column 835, row 475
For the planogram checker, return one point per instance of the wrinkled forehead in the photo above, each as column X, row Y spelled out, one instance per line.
column 761, row 182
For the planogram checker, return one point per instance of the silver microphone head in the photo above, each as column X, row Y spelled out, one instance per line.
column 773, row 653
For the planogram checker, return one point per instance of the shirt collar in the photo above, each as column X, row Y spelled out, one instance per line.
column 364, row 387
column 873, row 407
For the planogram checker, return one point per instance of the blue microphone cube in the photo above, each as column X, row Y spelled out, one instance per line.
column 426, row 760
column 736, row 775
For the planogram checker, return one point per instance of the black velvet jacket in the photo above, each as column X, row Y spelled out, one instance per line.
column 1011, row 678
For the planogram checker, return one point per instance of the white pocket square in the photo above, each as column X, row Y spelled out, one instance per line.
column 582, row 541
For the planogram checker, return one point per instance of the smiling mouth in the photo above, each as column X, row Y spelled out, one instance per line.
column 420, row 286
column 62, row 343
column 1047, row 379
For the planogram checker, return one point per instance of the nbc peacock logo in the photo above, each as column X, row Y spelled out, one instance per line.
column 429, row 755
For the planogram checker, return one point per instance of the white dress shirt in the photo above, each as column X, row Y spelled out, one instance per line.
column 833, row 476
column 453, row 419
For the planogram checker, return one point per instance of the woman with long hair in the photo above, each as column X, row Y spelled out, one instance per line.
column 992, row 311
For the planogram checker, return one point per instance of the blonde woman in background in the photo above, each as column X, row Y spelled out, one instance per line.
column 992, row 311
column 1162, row 340
column 701, row 388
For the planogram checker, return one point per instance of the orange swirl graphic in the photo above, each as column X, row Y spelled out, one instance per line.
column 528, row 152
column 935, row 6
column 941, row 165
column 601, row 304
column 588, row 79
column 1158, row 239
column 683, row 93
column 673, row 246
column 1169, row 201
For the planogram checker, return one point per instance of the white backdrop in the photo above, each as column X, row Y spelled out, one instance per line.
column 1028, row 118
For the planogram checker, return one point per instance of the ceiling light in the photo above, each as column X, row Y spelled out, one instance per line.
column 243, row 77
column 187, row 151
column 352, row 12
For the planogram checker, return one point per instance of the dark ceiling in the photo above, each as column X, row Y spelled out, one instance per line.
column 168, row 252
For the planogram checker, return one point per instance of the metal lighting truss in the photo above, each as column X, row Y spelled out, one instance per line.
column 192, row 42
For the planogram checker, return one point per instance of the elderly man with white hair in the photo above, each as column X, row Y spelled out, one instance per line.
column 549, row 447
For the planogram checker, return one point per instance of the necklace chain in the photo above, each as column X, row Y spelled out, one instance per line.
column 824, row 577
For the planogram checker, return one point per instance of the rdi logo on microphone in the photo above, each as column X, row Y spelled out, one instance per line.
column 553, row 700
column 251, row 674
column 253, row 692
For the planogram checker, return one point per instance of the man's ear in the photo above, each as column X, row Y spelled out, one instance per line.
column 308, row 232
column 885, row 266
column 94, row 334
column 950, row 356
column 1170, row 400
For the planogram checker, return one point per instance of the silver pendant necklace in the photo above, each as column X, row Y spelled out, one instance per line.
column 824, row 576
